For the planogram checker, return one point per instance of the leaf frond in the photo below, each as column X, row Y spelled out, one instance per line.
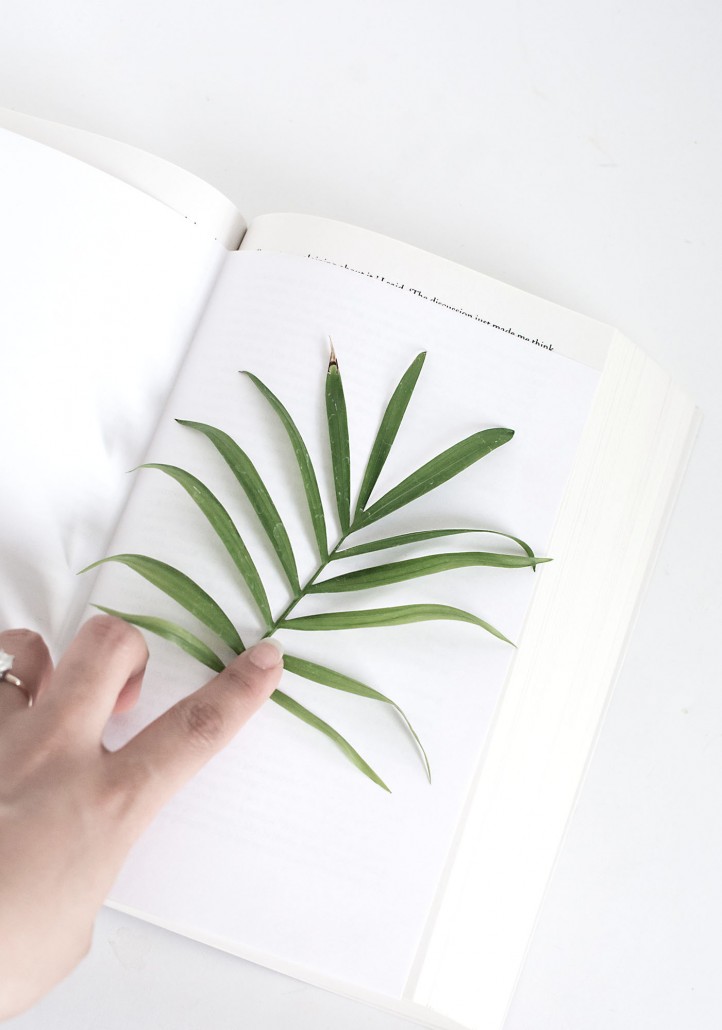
column 338, row 681
column 302, row 713
column 439, row 470
column 245, row 472
column 183, row 590
column 413, row 538
column 225, row 530
column 412, row 568
column 338, row 439
column 170, row 631
column 399, row 615
column 388, row 429
column 305, row 465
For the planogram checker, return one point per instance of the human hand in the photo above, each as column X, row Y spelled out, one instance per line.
column 70, row 809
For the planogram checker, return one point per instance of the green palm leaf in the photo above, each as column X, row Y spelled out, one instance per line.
column 175, row 634
column 330, row 678
column 413, row 538
column 388, row 429
column 338, row 439
column 397, row 616
column 313, row 720
column 412, row 568
column 308, row 475
column 245, row 472
column 226, row 531
column 183, row 590
column 435, row 472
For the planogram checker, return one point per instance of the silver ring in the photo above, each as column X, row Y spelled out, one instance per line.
column 6, row 664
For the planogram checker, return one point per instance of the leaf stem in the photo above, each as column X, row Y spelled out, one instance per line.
column 300, row 594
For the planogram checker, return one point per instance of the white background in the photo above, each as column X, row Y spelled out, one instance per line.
column 573, row 150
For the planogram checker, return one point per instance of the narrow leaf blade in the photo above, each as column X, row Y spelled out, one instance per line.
column 226, row 531
column 175, row 634
column 388, row 429
column 338, row 439
column 338, row 681
column 413, row 538
column 399, row 615
column 437, row 471
column 183, row 590
column 305, row 465
column 308, row 717
column 245, row 472
column 412, row 568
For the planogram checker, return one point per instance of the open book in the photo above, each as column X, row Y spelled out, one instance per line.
column 132, row 296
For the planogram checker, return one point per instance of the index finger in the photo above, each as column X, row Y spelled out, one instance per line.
column 106, row 656
column 168, row 752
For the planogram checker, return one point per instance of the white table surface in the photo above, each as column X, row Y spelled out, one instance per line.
column 574, row 150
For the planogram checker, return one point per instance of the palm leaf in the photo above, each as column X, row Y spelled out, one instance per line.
column 226, row 531
column 388, row 429
column 434, row 473
column 170, row 631
column 338, row 439
column 412, row 568
column 413, row 538
column 397, row 616
column 308, row 475
column 437, row 471
column 313, row 720
column 245, row 472
column 338, row 681
column 183, row 590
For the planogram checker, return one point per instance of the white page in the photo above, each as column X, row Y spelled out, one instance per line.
column 434, row 281
column 101, row 287
column 178, row 189
column 280, row 850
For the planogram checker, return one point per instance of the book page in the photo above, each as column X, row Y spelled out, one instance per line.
column 102, row 288
column 605, row 539
column 315, row 869
column 435, row 282
column 201, row 204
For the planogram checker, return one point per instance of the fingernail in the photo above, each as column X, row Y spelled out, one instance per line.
column 266, row 654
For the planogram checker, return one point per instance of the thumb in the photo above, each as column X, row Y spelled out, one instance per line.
column 168, row 752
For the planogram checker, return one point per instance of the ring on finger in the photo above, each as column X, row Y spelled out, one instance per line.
column 6, row 664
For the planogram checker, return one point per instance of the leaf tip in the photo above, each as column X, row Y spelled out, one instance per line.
column 93, row 565
column 332, row 359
